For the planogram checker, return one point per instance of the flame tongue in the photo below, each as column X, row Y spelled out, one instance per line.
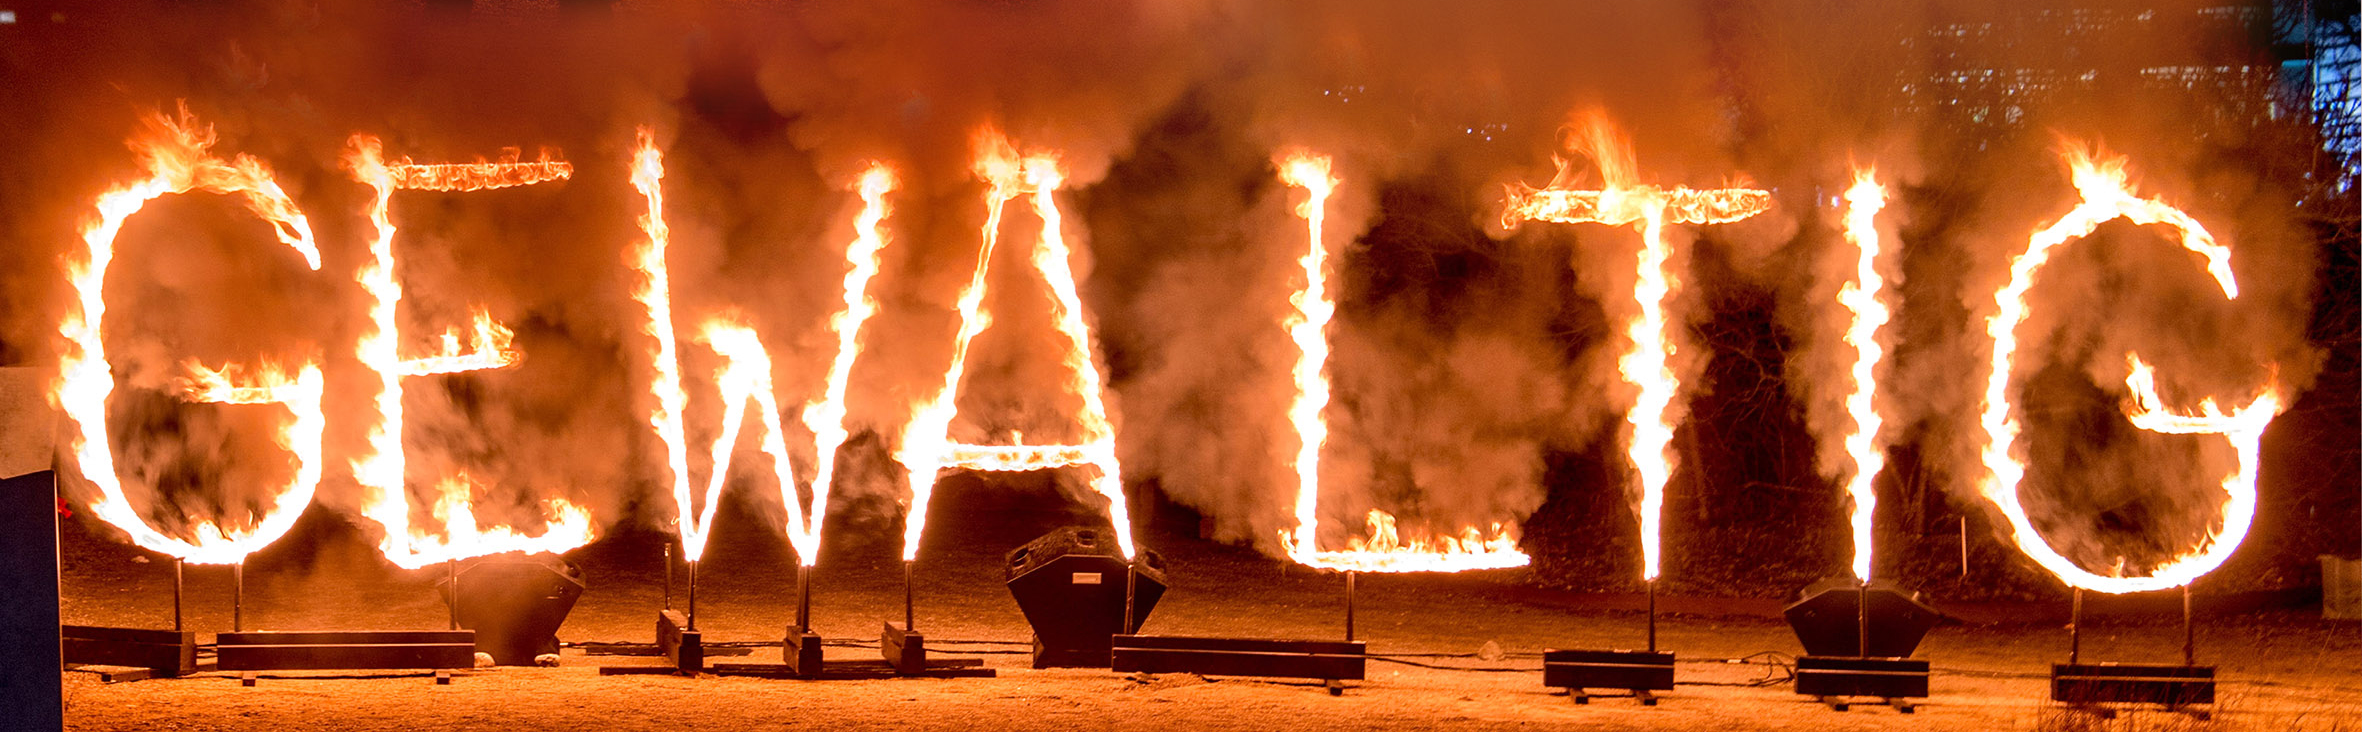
column 176, row 155
column 381, row 468
column 653, row 291
column 1383, row 550
column 1646, row 365
column 926, row 448
column 2106, row 196
column 1864, row 297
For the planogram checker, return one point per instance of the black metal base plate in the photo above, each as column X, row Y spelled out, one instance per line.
column 1639, row 672
column 1846, row 676
column 162, row 653
column 336, row 650
column 1325, row 660
column 859, row 670
column 2110, row 683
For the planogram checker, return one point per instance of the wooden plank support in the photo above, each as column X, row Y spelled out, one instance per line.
column 801, row 651
column 1640, row 672
column 324, row 650
column 906, row 651
column 2109, row 683
column 1324, row 660
column 857, row 670
column 164, row 653
column 685, row 648
column 1835, row 678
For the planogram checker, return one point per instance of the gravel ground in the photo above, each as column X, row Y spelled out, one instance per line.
column 2283, row 669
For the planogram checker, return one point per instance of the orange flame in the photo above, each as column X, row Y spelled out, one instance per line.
column 654, row 293
column 382, row 467
column 825, row 415
column 477, row 176
column 745, row 376
column 176, row 153
column 1383, row 550
column 1620, row 201
column 1864, row 297
column 2106, row 196
column 926, row 447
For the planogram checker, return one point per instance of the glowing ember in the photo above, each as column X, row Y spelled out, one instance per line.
column 1383, row 550
column 1864, row 298
column 381, row 467
column 1622, row 200
column 175, row 152
column 926, row 447
column 2107, row 196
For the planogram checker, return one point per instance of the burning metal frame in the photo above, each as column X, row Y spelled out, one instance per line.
column 177, row 158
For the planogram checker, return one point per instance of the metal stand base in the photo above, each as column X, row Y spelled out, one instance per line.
column 685, row 648
column 2175, row 688
column 435, row 650
column 1834, row 679
column 801, row 652
column 157, row 653
column 1331, row 662
column 1643, row 673
column 903, row 648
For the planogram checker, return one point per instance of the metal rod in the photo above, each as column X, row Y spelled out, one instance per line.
column 454, row 565
column 2075, row 630
column 1652, row 615
column 176, row 594
column 1964, row 545
column 238, row 597
column 1351, row 594
column 1131, row 595
column 668, row 575
column 803, row 597
column 909, row 614
column 2189, row 632
column 692, row 594
column 1862, row 605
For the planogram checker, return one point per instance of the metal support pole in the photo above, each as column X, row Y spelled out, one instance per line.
column 1351, row 594
column 1131, row 593
column 238, row 597
column 454, row 573
column 692, row 594
column 1964, row 545
column 909, row 614
column 803, row 597
column 2075, row 630
column 668, row 575
column 1652, row 615
column 176, row 594
column 2189, row 633
column 1862, row 605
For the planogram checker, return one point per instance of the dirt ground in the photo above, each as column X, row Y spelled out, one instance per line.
column 2282, row 669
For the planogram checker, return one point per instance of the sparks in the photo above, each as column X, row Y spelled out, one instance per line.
column 926, row 446
column 2106, row 196
column 1646, row 364
column 176, row 154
